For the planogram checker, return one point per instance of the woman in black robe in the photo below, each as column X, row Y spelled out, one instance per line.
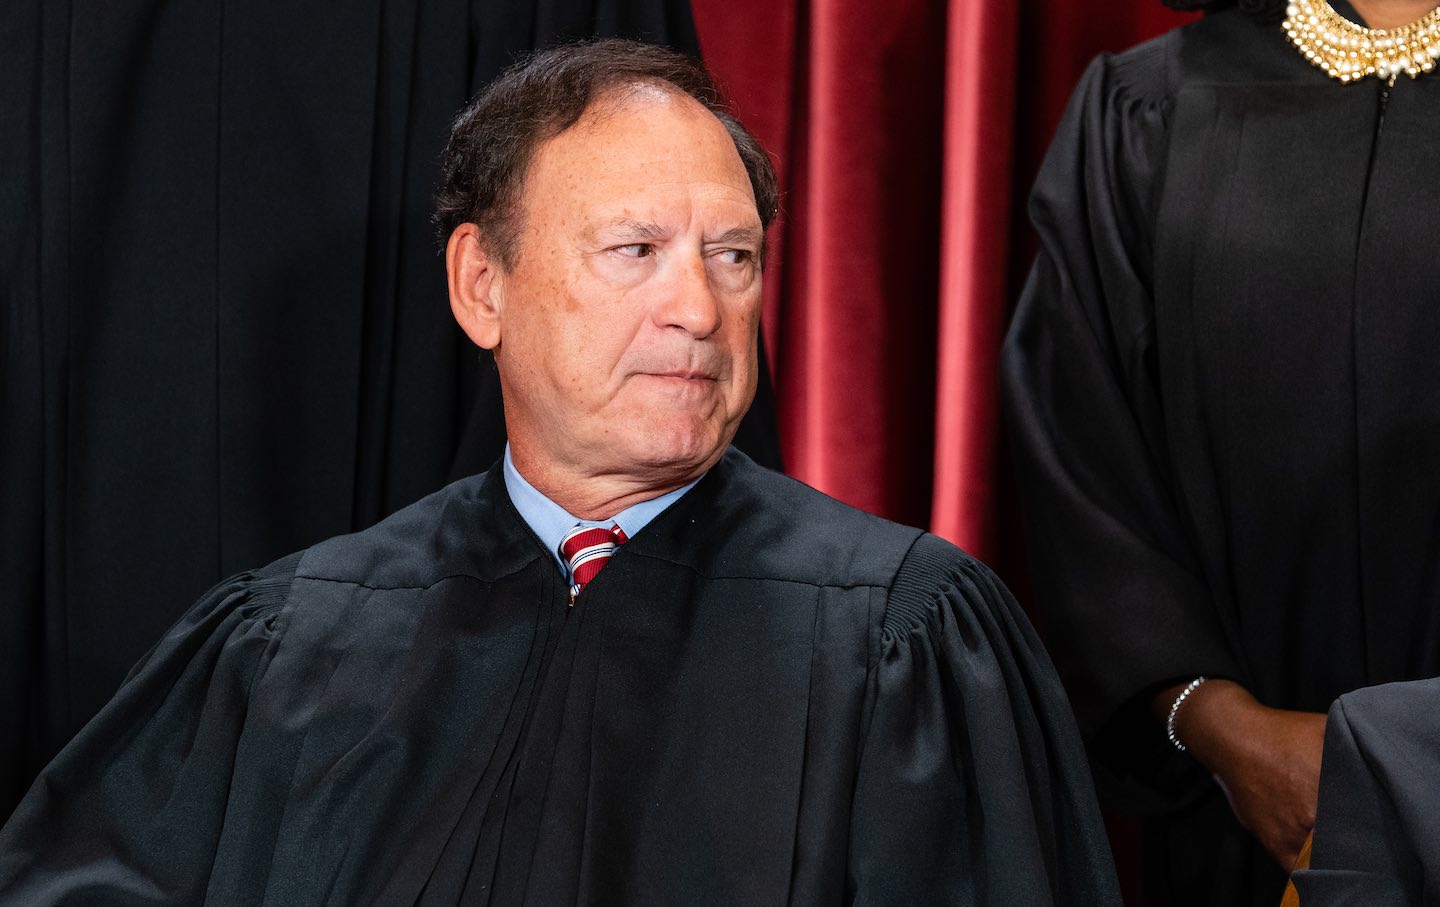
column 1222, row 385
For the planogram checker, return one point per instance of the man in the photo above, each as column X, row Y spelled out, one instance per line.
column 625, row 665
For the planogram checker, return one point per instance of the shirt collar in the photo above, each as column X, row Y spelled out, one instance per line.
column 550, row 521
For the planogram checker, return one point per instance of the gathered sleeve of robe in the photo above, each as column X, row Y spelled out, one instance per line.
column 132, row 811
column 973, row 786
column 1119, row 586
column 1378, row 816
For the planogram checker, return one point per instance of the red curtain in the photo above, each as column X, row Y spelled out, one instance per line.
column 907, row 134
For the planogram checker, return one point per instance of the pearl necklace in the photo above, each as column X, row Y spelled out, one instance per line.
column 1350, row 52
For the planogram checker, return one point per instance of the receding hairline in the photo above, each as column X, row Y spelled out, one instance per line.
column 625, row 90
column 613, row 100
column 495, row 138
column 617, row 98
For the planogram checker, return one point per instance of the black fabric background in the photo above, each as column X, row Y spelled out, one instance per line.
column 225, row 327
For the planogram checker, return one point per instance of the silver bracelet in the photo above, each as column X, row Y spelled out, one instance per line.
column 1191, row 687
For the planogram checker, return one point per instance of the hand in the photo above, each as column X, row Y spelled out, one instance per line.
column 1266, row 760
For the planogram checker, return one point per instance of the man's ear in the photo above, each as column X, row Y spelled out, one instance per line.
column 476, row 286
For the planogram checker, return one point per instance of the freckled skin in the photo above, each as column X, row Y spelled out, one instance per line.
column 625, row 333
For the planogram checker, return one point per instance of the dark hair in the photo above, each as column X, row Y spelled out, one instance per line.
column 494, row 138
column 1264, row 10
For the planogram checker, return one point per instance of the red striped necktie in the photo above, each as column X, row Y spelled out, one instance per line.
column 586, row 551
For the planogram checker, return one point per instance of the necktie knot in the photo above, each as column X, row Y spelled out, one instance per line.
column 586, row 550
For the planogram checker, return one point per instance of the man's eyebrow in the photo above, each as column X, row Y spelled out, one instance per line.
column 637, row 228
column 752, row 235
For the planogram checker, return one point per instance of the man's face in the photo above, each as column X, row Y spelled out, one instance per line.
column 627, row 342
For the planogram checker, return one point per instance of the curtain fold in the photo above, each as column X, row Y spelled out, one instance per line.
column 907, row 135
column 975, row 213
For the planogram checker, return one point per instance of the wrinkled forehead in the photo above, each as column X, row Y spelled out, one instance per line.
column 641, row 136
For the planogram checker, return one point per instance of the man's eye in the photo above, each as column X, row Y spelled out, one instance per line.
column 735, row 256
column 635, row 250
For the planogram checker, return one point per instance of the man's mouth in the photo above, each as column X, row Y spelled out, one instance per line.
column 684, row 375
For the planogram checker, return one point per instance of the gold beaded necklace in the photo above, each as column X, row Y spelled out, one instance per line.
column 1350, row 52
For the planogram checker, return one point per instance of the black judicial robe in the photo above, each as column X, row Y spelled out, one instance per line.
column 1377, row 824
column 1223, row 386
column 765, row 697
column 224, row 332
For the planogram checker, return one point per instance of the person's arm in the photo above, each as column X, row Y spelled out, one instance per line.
column 1121, row 586
column 1119, row 581
column 1266, row 760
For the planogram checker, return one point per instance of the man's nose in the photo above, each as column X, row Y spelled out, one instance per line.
column 689, row 300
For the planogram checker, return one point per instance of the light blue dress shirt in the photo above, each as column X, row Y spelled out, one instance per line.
column 549, row 521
